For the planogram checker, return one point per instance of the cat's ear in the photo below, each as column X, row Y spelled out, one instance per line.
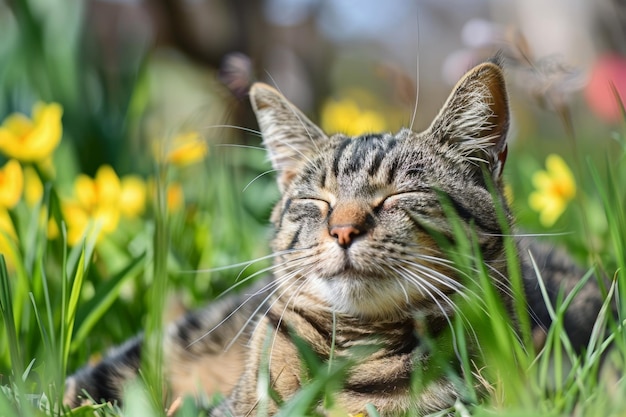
column 475, row 118
column 289, row 136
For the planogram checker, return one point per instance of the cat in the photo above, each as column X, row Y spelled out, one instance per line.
column 358, row 263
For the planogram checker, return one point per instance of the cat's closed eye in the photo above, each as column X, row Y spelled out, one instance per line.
column 320, row 203
column 309, row 207
column 392, row 200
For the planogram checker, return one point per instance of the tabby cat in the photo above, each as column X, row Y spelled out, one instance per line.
column 358, row 263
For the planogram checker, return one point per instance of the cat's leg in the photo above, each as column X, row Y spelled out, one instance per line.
column 105, row 381
column 203, row 354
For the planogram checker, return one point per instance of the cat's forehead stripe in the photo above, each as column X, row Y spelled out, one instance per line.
column 363, row 153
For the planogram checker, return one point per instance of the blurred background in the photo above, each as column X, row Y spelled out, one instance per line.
column 129, row 71
column 155, row 92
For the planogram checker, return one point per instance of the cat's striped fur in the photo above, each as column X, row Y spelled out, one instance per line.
column 357, row 261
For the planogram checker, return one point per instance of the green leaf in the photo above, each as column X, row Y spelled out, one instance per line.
column 105, row 295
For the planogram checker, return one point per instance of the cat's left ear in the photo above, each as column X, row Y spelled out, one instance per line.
column 289, row 136
column 475, row 118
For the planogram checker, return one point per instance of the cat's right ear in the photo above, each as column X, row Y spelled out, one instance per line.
column 289, row 136
column 475, row 118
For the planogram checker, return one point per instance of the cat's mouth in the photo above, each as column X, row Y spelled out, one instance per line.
column 346, row 263
column 341, row 267
column 345, row 260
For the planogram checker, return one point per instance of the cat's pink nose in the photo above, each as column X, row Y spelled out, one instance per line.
column 344, row 234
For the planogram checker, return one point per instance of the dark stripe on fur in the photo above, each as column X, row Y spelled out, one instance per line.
column 388, row 380
column 366, row 145
column 339, row 155
column 294, row 240
column 284, row 211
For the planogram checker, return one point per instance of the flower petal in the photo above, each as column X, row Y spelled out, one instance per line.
column 35, row 140
column 133, row 196
column 108, row 186
column 85, row 192
column 11, row 184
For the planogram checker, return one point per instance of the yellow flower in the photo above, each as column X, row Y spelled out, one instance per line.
column 53, row 229
column 102, row 190
column 11, row 184
column 345, row 116
column 77, row 219
column 102, row 201
column 175, row 197
column 32, row 140
column 132, row 196
column 33, row 187
column 8, row 239
column 6, row 224
column 555, row 188
column 185, row 149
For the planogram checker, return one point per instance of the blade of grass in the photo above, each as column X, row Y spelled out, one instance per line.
column 6, row 307
column 72, row 307
column 91, row 312
column 513, row 264
column 6, row 310
column 614, row 208
column 152, row 363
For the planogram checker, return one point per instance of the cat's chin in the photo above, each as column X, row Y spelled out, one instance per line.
column 366, row 297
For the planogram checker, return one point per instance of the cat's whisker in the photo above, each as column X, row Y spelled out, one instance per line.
column 426, row 283
column 269, row 171
column 296, row 150
column 238, row 265
column 402, row 285
column 265, row 288
column 417, row 73
column 467, row 324
column 449, row 265
column 238, row 282
column 502, row 285
column 290, row 276
column 292, row 267
column 533, row 235
column 282, row 314
column 467, row 291
column 439, row 277
column 245, row 129
column 274, row 283
column 427, row 287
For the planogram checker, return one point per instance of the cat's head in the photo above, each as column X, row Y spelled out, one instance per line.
column 355, row 221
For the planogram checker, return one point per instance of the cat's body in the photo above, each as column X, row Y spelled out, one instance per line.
column 358, row 264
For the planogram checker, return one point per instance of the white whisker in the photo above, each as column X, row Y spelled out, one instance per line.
column 417, row 74
column 269, row 171
column 276, row 283
column 245, row 129
column 240, row 264
column 426, row 288
column 552, row 234
column 280, row 320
